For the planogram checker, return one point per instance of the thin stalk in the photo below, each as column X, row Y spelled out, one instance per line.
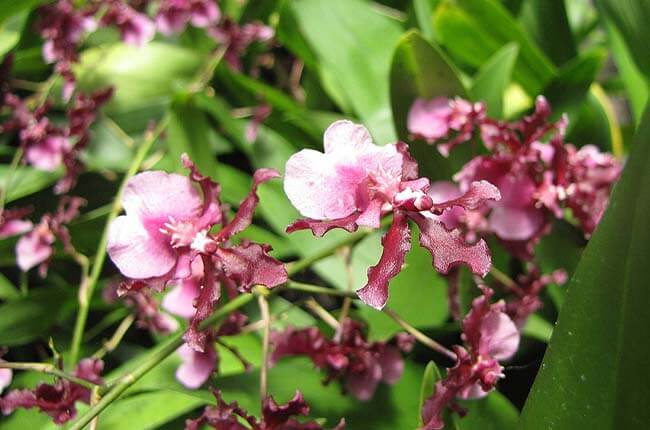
column 49, row 369
column 264, row 368
column 155, row 357
column 503, row 278
column 117, row 337
column 322, row 313
column 309, row 288
column 347, row 301
column 4, row 192
column 110, row 319
column 419, row 336
column 88, row 287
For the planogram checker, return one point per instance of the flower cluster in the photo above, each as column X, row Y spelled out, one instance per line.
column 12, row 222
column 490, row 336
column 58, row 399
column 354, row 183
column 359, row 365
column 36, row 246
column 168, row 225
column 174, row 15
column 274, row 417
column 537, row 173
column 48, row 146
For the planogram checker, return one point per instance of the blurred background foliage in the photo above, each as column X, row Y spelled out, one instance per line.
column 368, row 61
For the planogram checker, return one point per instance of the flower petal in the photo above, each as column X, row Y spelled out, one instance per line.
column 396, row 242
column 135, row 252
column 448, row 248
column 196, row 367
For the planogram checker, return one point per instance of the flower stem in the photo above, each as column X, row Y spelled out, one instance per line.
column 4, row 191
column 503, row 278
column 115, row 340
column 418, row 335
column 322, row 313
column 49, row 369
column 88, row 287
column 309, row 288
column 264, row 368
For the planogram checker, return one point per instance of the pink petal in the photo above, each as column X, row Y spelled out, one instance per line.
column 363, row 385
column 136, row 252
column 448, row 248
column 314, row 186
column 32, row 250
column 197, row 366
column 347, row 137
column 14, row 227
column 180, row 300
column 396, row 242
column 205, row 13
column 371, row 217
column 511, row 223
column 429, row 119
column 159, row 195
column 392, row 364
column 47, row 154
column 442, row 191
column 6, row 376
column 499, row 335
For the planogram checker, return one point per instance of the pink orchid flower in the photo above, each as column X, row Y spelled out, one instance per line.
column 355, row 182
column 167, row 225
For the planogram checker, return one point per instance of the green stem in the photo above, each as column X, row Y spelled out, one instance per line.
column 4, row 192
column 48, row 369
column 309, row 288
column 88, row 286
column 155, row 357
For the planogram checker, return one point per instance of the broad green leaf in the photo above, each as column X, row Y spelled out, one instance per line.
column 423, row 10
column 144, row 78
column 10, row 32
column 548, row 24
column 429, row 379
column 150, row 410
column 26, row 181
column 13, row 7
column 492, row 79
column 473, row 30
column 188, row 133
column 593, row 374
column 354, row 43
column 418, row 282
column 109, row 148
column 420, row 70
column 28, row 318
column 567, row 91
column 631, row 18
column 7, row 290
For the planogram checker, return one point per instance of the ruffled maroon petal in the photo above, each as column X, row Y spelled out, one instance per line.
column 249, row 264
column 448, row 248
column 396, row 242
column 319, row 227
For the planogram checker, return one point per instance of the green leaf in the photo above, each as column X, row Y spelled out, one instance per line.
column 417, row 283
column 568, row 90
column 26, row 181
column 593, row 374
column 13, row 7
column 7, row 290
column 150, row 410
column 538, row 328
column 492, row 79
column 28, row 318
column 144, row 78
column 188, row 133
column 631, row 18
column 10, row 32
column 420, row 70
column 493, row 412
column 423, row 10
column 474, row 30
column 429, row 379
column 547, row 23
column 353, row 44
column 635, row 84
